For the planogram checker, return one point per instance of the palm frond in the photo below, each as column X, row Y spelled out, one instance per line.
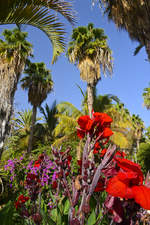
column 68, row 109
column 37, row 13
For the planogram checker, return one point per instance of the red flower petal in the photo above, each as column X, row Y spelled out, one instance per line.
column 107, row 132
column 102, row 118
column 117, row 188
column 142, row 196
column 85, row 123
column 128, row 166
column 103, row 152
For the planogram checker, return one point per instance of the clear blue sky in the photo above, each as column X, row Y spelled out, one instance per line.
column 131, row 73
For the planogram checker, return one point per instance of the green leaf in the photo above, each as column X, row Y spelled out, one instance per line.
column 66, row 207
column 54, row 214
column 92, row 218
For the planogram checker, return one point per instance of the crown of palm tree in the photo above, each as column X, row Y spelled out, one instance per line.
column 38, row 81
column 40, row 14
column 15, row 41
column 89, row 50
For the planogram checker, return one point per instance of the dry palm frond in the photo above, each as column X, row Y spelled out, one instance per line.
column 89, row 71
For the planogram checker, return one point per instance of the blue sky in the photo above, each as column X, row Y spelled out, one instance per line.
column 131, row 73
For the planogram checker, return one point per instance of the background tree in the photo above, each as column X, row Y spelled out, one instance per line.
column 88, row 49
column 14, row 51
column 39, row 83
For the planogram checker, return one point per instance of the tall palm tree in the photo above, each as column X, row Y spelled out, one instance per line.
column 40, row 14
column 88, row 49
column 124, row 13
column 146, row 96
column 39, row 84
column 14, row 51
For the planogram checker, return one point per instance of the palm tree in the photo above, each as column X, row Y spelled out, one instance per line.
column 21, row 132
column 89, row 50
column 146, row 96
column 13, row 54
column 125, row 13
column 138, row 127
column 40, row 14
column 39, row 83
column 51, row 120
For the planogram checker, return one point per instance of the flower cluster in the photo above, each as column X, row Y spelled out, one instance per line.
column 98, row 126
column 21, row 200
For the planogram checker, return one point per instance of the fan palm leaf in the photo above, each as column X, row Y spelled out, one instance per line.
column 40, row 14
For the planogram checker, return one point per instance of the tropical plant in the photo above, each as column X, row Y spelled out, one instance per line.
column 89, row 50
column 143, row 156
column 40, row 14
column 138, row 127
column 50, row 120
column 13, row 54
column 125, row 13
column 39, row 84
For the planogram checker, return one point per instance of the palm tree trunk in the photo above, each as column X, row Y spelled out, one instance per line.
column 32, row 128
column 9, row 76
column 90, row 98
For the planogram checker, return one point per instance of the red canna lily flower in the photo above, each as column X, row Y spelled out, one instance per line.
column 102, row 118
column 107, row 132
column 128, row 183
column 85, row 123
column 128, row 166
column 142, row 196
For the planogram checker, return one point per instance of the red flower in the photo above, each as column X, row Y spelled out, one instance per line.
column 102, row 118
column 37, row 163
column 128, row 183
column 85, row 124
column 96, row 148
column 142, row 196
column 98, row 126
column 21, row 200
column 102, row 153
column 129, row 166
column 107, row 132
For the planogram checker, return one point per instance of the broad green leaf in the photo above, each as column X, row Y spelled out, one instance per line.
column 66, row 207
column 92, row 218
